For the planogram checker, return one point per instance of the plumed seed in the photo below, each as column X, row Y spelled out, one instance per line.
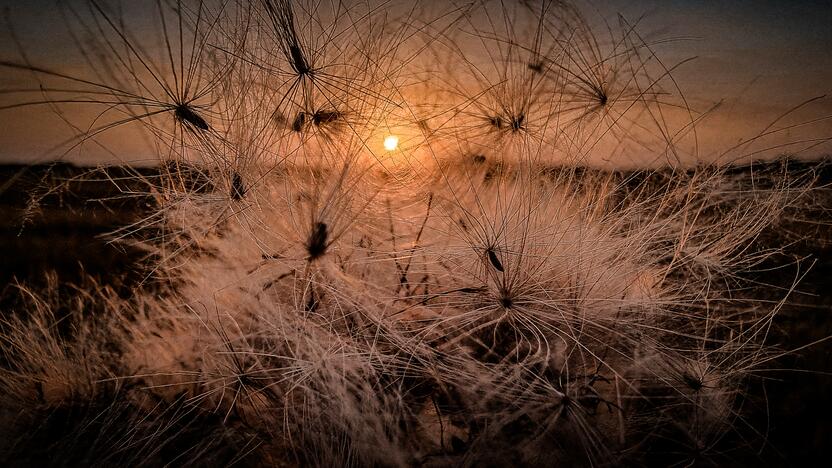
column 297, row 124
column 517, row 122
column 299, row 63
column 238, row 188
column 324, row 117
column 496, row 121
column 495, row 262
column 185, row 114
column 317, row 241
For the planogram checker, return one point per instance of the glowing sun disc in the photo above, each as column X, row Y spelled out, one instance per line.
column 391, row 142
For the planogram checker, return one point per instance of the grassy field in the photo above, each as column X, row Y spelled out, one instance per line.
column 61, row 245
column 389, row 234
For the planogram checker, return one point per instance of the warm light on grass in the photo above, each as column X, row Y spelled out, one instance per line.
column 487, row 287
column 391, row 142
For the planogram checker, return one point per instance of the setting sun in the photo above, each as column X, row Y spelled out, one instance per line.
column 391, row 142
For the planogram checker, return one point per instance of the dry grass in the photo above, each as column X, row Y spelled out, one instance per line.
column 473, row 296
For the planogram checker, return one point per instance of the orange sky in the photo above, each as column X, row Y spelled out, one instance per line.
column 758, row 59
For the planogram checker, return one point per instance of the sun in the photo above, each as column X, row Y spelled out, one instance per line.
column 391, row 142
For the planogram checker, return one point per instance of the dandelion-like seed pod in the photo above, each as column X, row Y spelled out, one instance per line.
column 374, row 237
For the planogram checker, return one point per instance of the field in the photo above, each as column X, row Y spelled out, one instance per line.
column 372, row 236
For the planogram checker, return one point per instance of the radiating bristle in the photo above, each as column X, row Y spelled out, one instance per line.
column 479, row 293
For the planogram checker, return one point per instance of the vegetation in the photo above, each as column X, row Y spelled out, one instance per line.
column 474, row 295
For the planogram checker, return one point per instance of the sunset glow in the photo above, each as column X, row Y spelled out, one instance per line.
column 367, row 233
column 391, row 142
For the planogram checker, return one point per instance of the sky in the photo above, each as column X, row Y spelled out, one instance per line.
column 757, row 58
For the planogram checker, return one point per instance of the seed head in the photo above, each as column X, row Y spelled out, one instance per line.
column 317, row 244
column 324, row 117
column 495, row 261
column 299, row 63
column 297, row 124
column 185, row 114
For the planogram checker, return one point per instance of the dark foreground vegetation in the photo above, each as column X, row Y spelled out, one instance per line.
column 56, row 225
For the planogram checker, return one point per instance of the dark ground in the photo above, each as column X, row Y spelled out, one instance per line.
column 65, row 232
